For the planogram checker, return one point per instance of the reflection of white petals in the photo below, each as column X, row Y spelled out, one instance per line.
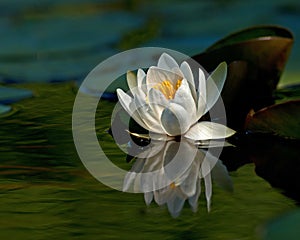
column 154, row 175
column 220, row 176
column 193, row 200
column 213, row 143
column 175, row 205
column 148, row 196
column 208, row 190
column 188, row 186
column 178, row 158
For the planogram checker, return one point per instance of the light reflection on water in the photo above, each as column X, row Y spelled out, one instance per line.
column 47, row 193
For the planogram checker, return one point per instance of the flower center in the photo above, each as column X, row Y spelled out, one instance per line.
column 172, row 185
column 167, row 88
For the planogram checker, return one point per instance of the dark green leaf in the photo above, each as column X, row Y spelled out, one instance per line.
column 260, row 54
column 280, row 119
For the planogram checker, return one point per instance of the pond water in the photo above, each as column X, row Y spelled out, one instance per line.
column 48, row 47
column 47, row 193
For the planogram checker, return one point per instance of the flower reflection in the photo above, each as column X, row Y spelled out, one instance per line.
column 171, row 173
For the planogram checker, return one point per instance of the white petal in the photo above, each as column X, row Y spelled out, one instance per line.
column 146, row 114
column 188, row 75
column 157, row 101
column 131, row 80
column 125, row 100
column 184, row 98
column 201, row 103
column 167, row 62
column 214, row 85
column 141, row 80
column 175, row 120
column 157, row 75
column 208, row 130
column 128, row 104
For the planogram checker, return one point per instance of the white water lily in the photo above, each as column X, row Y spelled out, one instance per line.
column 168, row 103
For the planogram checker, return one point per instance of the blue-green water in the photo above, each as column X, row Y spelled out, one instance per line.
column 47, row 193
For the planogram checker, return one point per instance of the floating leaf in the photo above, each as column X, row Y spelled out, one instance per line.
column 264, row 51
column 280, row 119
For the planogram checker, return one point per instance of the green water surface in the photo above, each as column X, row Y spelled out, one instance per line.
column 46, row 193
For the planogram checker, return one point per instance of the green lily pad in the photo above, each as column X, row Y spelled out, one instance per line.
column 264, row 51
column 10, row 95
column 4, row 108
column 281, row 119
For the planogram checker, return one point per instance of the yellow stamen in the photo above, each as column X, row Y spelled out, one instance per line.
column 167, row 88
column 172, row 185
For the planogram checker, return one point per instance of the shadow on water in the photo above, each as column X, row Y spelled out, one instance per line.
column 276, row 160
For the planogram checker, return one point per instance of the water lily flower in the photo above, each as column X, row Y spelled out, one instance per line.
column 150, row 175
column 168, row 102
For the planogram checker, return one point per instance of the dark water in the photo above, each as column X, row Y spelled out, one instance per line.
column 47, row 193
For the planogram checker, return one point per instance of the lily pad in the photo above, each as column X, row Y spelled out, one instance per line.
column 4, row 108
column 280, row 119
column 10, row 95
column 264, row 50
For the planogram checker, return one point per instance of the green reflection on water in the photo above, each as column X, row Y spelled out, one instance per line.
column 47, row 193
